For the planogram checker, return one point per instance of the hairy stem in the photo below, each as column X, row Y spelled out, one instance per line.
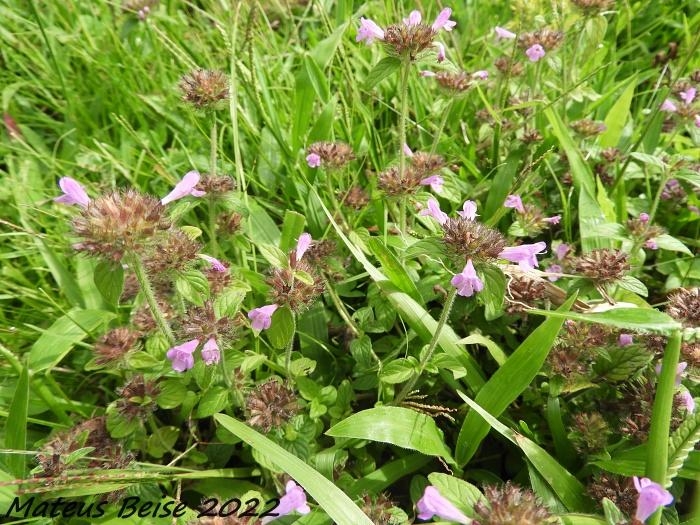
column 213, row 139
column 290, row 347
column 147, row 290
column 403, row 113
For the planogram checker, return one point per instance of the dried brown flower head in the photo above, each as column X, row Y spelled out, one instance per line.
column 217, row 280
column 378, row 508
column 216, row 185
column 174, row 252
column 143, row 320
column 691, row 353
column 611, row 155
column 472, row 240
column 333, row 154
column 201, row 323
column 566, row 362
column 270, row 405
column 590, row 432
column 588, row 127
column 426, row 164
column 402, row 40
column 118, row 223
column 204, row 89
column 530, row 136
column 523, row 292
column 114, row 345
column 547, row 38
column 684, row 305
column 618, row 489
column 593, row 7
column 288, row 289
column 137, row 398
column 603, row 265
column 454, row 82
column 509, row 67
column 356, row 198
column 229, row 223
column 510, row 505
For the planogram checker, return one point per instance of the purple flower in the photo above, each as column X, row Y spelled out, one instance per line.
column 697, row 120
column 210, row 352
column 556, row 219
column 514, row 201
column 625, row 340
column 440, row 52
column 435, row 212
column 561, row 251
column 504, row 34
column 369, row 31
column 434, row 504
column 554, row 268
column 216, row 264
column 688, row 95
column 680, row 371
column 668, row 106
column 181, row 355
column 652, row 497
column 687, row 401
column 406, row 150
column 468, row 210
column 482, row 74
column 443, row 21
column 303, row 244
column 414, row 18
column 435, row 182
column 313, row 160
column 294, row 499
column 73, row 192
column 650, row 244
column 644, row 217
column 534, row 52
column 183, row 188
column 467, row 282
column 525, row 254
column 427, row 74
column 261, row 318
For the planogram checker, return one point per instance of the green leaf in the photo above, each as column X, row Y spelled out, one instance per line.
column 228, row 302
column 634, row 285
column 120, row 426
column 384, row 68
column 667, row 242
column 398, row 371
column 399, row 426
column 462, row 494
column 581, row 519
column 281, row 328
column 193, row 286
column 317, row 78
column 323, row 52
column 509, row 381
column 392, row 268
column 273, row 255
column 336, row 503
column 162, row 441
column 681, row 443
column 212, row 401
column 172, row 392
column 260, row 228
column 568, row 489
column 613, row 515
column 292, row 227
column 617, row 116
column 109, row 280
column 626, row 318
column 63, row 334
column 494, row 292
column 16, row 429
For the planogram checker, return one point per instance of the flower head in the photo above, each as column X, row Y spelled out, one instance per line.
column 261, row 318
column 688, row 95
column 535, row 52
column 73, row 192
column 329, row 154
column 525, row 254
column 435, row 182
column 553, row 269
column 216, row 264
column 556, row 219
column 650, row 244
column 185, row 187
column 303, row 244
column 644, row 217
column 502, row 33
column 652, row 496
column 369, row 31
column 481, row 74
column 514, row 201
column 204, row 89
column 443, row 21
column 313, row 160
column 625, row 340
column 294, row 499
column 210, row 352
column 668, row 106
column 414, row 18
column 434, row 504
column 181, row 355
column 467, row 282
column 435, row 212
column 561, row 250
column 468, row 210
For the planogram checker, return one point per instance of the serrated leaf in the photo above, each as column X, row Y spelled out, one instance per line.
column 193, row 286
column 228, row 302
column 398, row 371
column 109, row 280
column 172, row 392
column 622, row 363
column 613, row 515
column 634, row 285
column 193, row 233
column 273, row 255
column 384, row 68
column 281, row 328
column 681, row 443
column 212, row 401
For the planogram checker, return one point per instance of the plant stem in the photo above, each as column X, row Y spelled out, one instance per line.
column 341, row 308
column 213, row 139
column 212, row 228
column 441, row 126
column 290, row 346
column 147, row 290
column 657, row 455
column 403, row 113
column 447, row 307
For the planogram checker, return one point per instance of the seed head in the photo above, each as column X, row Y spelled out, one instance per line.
column 509, row 67
column 378, row 508
column 332, row 154
column 271, row 405
column 673, row 191
column 412, row 40
column 288, row 289
column 215, row 186
column 120, row 222
column 684, row 305
column 175, row 253
column 691, row 353
column 510, row 505
column 472, row 240
column 137, row 398
column 143, row 320
column 618, row 489
column 217, row 280
column 523, row 292
column 201, row 323
column 593, row 7
column 204, row 89
column 588, row 127
column 454, row 82
column 603, row 265
column 229, row 223
column 545, row 37
column 591, row 432
column 114, row 345
column 356, row 198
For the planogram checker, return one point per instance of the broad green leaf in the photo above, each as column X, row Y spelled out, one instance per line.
column 193, row 286
column 292, row 227
column 507, row 383
column 398, row 370
column 16, row 429
column 260, row 227
column 581, row 519
column 617, row 116
column 502, row 184
column 281, row 328
column 626, row 318
column 172, row 392
column 494, row 292
column 399, row 426
column 392, row 268
column 681, row 443
column 323, row 52
column 667, row 242
column 568, row 489
column 634, row 285
column 212, row 401
column 388, row 474
column 384, row 68
column 335, row 502
column 462, row 494
column 317, row 78
column 66, row 331
column 273, row 255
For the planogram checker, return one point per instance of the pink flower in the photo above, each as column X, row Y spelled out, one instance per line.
column 434, row 504
column 697, row 120
column 482, row 74
column 440, row 52
column 625, row 340
column 303, row 244
column 680, row 371
column 294, row 499
column 210, row 352
column 650, row 244
column 435, row 212
column 181, row 356
column 414, row 18
column 652, row 497
column 427, row 74
column 313, row 160
column 183, row 188
column 534, row 52
column 525, row 254
column 216, row 264
column 668, row 106
column 504, row 34
column 514, row 201
column 406, row 150
column 435, row 182
column 687, row 401
column 443, row 21
column 688, row 95
column 468, row 210
column 369, row 31
column 644, row 217
column 554, row 268
column 561, row 251
column 556, row 219
column 261, row 318
column 73, row 192
column 467, row 282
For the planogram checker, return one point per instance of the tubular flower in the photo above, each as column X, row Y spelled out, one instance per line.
column 216, row 264
column 625, row 340
column 535, row 52
column 525, row 254
column 514, row 201
column 434, row 504
column 687, row 401
column 181, row 355
column 185, row 187
column 688, row 95
column 468, row 211
column 440, row 52
column 553, row 269
column 414, row 18
column 668, row 106
column 261, row 318
column 435, row 212
column 313, row 160
column 503, row 34
column 210, row 352
column 294, row 499
column 435, row 182
column 369, row 31
column 467, row 282
column 73, row 192
column 443, row 21
column 303, row 244
column 652, row 497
